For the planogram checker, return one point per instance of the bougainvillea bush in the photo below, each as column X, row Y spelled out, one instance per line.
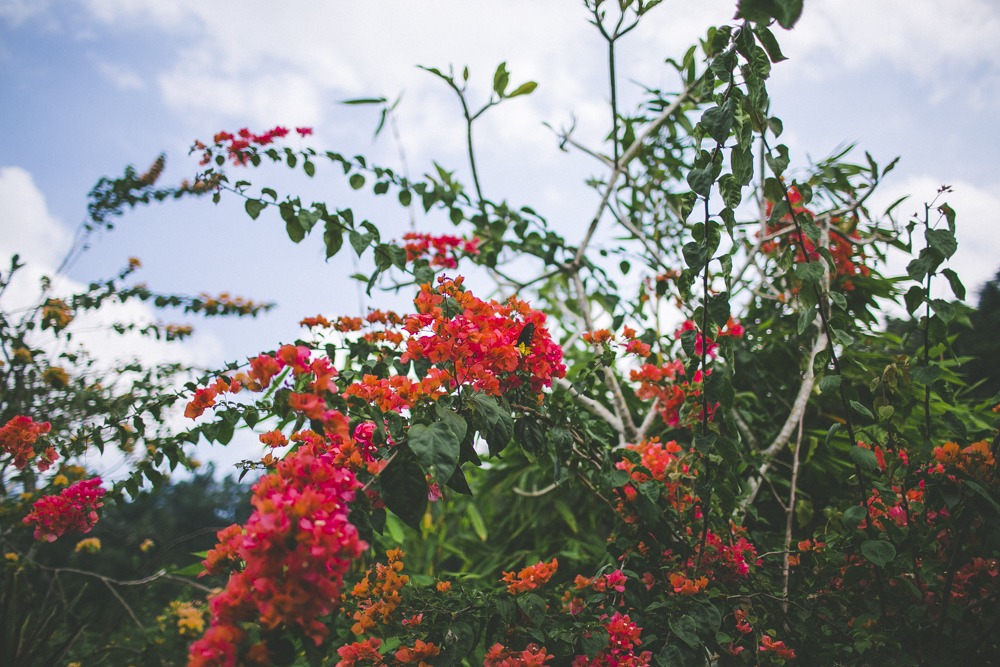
column 687, row 436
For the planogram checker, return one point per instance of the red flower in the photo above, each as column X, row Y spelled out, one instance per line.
column 72, row 510
column 17, row 437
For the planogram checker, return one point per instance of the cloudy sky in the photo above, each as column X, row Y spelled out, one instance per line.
column 89, row 86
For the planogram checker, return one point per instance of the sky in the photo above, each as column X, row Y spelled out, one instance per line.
column 89, row 86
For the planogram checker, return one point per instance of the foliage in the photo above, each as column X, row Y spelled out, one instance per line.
column 564, row 475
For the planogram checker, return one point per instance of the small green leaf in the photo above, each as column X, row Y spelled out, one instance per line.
column 405, row 197
column 309, row 168
column 524, row 89
column 806, row 317
column 718, row 121
column 595, row 641
column 701, row 180
column 254, row 207
column 843, row 337
column 357, row 181
column 780, row 163
column 941, row 240
column 862, row 410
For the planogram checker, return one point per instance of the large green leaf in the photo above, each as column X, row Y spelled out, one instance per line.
column 436, row 448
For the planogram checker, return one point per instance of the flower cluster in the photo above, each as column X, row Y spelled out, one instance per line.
column 529, row 578
column 445, row 251
column 75, row 509
column 532, row 656
column 240, row 146
column 623, row 638
column 418, row 653
column 353, row 653
column 17, row 438
column 849, row 258
column 478, row 340
column 205, row 398
column 379, row 595
column 296, row 547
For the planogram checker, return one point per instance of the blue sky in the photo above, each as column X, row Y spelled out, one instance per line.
column 89, row 86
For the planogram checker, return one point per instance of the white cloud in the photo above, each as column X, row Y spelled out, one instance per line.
column 120, row 75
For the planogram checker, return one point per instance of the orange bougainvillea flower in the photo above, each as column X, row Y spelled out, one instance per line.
column 530, row 577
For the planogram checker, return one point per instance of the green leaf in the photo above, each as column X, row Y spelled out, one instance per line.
column 943, row 309
column 913, row 298
column 879, row 552
column 405, row 197
column 838, row 299
column 436, row 448
column 476, row 519
column 357, row 181
column 191, row 570
column 862, row 410
column 701, row 180
column 686, row 631
column 333, row 238
column 787, row 12
column 853, row 516
column 595, row 641
column 941, row 240
column 498, row 436
column 831, row 432
column 500, row 79
column 985, row 496
column 294, row 229
column 404, row 489
column 567, row 514
column 533, row 607
column 776, row 127
column 718, row 308
column 780, row 163
column 732, row 192
column 927, row 375
column 742, row 163
column 864, row 457
column 956, row 285
column 671, row 656
column 359, row 242
column 843, row 337
column 768, row 41
column 718, row 121
column 829, row 383
column 696, row 255
column 806, row 317
column 524, row 89
column 309, row 168
column 254, row 207
column 809, row 272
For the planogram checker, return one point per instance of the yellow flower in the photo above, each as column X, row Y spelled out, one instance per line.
column 89, row 544
column 11, row 556
column 134, row 263
column 60, row 480
column 146, row 545
column 56, row 376
column 73, row 664
column 190, row 617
